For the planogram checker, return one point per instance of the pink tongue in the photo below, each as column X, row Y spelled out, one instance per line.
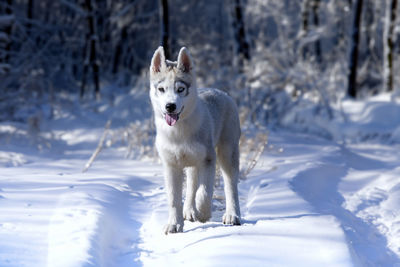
column 171, row 119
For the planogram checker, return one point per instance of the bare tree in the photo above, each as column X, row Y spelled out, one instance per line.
column 5, row 37
column 29, row 15
column 242, row 44
column 315, row 9
column 91, row 51
column 354, row 44
column 389, row 43
column 164, row 21
column 118, row 53
column 313, row 6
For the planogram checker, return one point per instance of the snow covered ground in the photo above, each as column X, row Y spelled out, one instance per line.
column 308, row 202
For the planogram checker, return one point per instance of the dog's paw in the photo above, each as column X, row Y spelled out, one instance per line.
column 189, row 214
column 203, row 216
column 232, row 219
column 203, row 212
column 173, row 228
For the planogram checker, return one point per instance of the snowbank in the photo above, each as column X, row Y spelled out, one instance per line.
column 374, row 120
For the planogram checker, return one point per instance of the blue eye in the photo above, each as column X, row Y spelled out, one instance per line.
column 180, row 89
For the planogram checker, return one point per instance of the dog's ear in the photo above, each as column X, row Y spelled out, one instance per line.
column 185, row 63
column 158, row 60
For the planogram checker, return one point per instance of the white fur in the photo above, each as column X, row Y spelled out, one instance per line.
column 207, row 130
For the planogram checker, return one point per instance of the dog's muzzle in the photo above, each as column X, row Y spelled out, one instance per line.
column 172, row 118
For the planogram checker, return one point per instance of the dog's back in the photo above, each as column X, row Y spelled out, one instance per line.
column 224, row 115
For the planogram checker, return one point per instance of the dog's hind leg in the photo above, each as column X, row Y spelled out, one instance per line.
column 206, row 187
column 228, row 159
column 189, row 209
column 173, row 181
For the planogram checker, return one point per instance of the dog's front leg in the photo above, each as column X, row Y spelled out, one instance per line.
column 189, row 210
column 173, row 182
column 206, row 187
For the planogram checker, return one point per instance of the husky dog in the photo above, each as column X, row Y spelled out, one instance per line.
column 194, row 129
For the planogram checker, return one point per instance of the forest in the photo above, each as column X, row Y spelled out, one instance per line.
column 269, row 54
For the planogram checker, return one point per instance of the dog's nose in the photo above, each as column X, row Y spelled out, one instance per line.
column 170, row 107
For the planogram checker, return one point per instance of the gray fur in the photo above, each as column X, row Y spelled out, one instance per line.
column 207, row 130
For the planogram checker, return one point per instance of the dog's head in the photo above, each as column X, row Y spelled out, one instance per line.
column 172, row 86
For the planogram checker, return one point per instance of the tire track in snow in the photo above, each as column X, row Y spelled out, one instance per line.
column 319, row 187
column 97, row 221
column 117, row 236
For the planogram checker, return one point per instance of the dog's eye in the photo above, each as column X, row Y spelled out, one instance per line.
column 180, row 89
column 161, row 89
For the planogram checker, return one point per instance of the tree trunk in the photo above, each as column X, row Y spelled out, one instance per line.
column 388, row 45
column 91, row 54
column 354, row 43
column 304, row 18
column 7, row 31
column 312, row 5
column 29, row 15
column 242, row 45
column 165, row 28
column 315, row 9
column 119, row 49
column 305, row 14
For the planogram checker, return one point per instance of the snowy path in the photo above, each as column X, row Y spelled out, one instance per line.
column 293, row 208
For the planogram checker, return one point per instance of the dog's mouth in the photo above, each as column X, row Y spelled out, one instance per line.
column 172, row 118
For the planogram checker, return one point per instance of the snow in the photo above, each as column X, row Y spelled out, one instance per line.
column 375, row 119
column 309, row 201
column 307, row 240
column 374, row 196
